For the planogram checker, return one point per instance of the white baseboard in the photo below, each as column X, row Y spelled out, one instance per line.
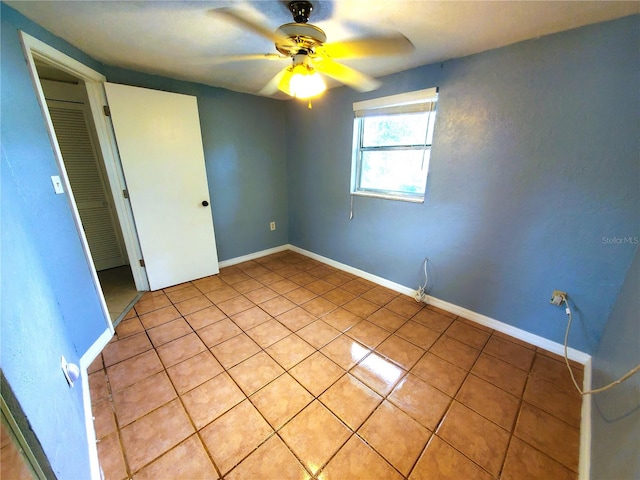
column 253, row 256
column 584, row 467
column 505, row 328
column 85, row 361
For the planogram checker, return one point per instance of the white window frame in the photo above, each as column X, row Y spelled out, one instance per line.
column 420, row 100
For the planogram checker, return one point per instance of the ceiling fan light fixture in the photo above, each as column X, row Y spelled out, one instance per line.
column 302, row 81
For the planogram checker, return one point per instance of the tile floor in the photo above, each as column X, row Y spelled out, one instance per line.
column 284, row 367
column 118, row 288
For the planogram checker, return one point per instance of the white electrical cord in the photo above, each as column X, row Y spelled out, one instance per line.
column 421, row 294
column 630, row 373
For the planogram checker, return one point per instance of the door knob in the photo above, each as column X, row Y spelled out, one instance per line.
column 205, row 203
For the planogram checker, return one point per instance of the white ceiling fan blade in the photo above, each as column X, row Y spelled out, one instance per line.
column 218, row 60
column 243, row 19
column 396, row 44
column 346, row 75
column 272, row 87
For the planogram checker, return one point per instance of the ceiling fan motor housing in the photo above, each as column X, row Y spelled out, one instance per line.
column 304, row 35
column 301, row 11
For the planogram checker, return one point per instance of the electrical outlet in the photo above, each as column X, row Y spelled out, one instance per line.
column 272, row 226
column 557, row 297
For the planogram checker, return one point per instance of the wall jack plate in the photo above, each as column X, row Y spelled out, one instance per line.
column 557, row 297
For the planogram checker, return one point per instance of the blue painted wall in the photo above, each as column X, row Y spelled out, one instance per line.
column 244, row 145
column 49, row 305
column 615, row 444
column 534, row 171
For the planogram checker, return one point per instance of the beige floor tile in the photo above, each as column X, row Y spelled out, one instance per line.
column 187, row 460
column 476, row 437
column 361, row 307
column 234, row 435
column 551, row 436
column 489, row 401
column 104, row 421
column 357, row 461
column 280, row 400
column 341, row 319
column 169, row 331
column 345, row 351
column 380, row 295
column 277, row 306
column 160, row 316
column 455, row 352
column 350, row 400
column 255, row 372
column 211, row 399
column 338, row 296
column 320, row 287
column 439, row 373
column 180, row 293
column 564, row 404
column 149, row 303
column 316, row 373
column 501, row 374
column 261, row 295
column 180, row 349
column 432, row 320
column 222, row 294
column 235, row 305
column 510, row 352
column 218, row 332
column 152, row 435
column 314, row 435
column 421, row 401
column 204, row 317
column 193, row 305
column 126, row 348
column 111, row 457
column 272, row 460
column 526, row 463
column 318, row 333
column 367, row 333
column 441, row 461
column 396, row 436
column 143, row 397
column 295, row 319
column 400, row 351
column 126, row 373
column 404, row 306
column 250, row 318
column 290, row 351
column 378, row 373
column 555, row 372
column 467, row 334
column 194, row 371
column 319, row 307
column 387, row 319
column 128, row 327
column 268, row 333
column 300, row 295
column 235, row 350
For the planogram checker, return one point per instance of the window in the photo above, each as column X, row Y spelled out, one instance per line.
column 392, row 145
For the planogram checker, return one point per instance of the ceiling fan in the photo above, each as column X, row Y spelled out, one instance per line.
column 305, row 44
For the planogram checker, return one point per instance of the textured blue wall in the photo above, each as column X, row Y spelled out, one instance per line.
column 49, row 305
column 244, row 146
column 615, row 444
column 535, row 165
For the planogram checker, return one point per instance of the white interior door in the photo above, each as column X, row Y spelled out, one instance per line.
column 160, row 145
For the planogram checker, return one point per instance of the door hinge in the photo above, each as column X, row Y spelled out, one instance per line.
column 141, row 262
column 106, row 110
column 125, row 193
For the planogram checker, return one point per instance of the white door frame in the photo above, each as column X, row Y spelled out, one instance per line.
column 35, row 49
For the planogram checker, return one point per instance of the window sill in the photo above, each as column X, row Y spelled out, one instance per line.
column 389, row 197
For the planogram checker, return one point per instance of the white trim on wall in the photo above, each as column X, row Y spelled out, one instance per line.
column 253, row 256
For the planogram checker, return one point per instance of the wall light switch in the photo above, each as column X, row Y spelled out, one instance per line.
column 57, row 184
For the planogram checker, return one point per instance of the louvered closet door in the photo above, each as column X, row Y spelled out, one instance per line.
column 87, row 183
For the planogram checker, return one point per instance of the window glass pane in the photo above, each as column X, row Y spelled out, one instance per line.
column 403, row 171
column 395, row 130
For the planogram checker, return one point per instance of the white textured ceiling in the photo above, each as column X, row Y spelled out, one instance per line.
column 179, row 39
